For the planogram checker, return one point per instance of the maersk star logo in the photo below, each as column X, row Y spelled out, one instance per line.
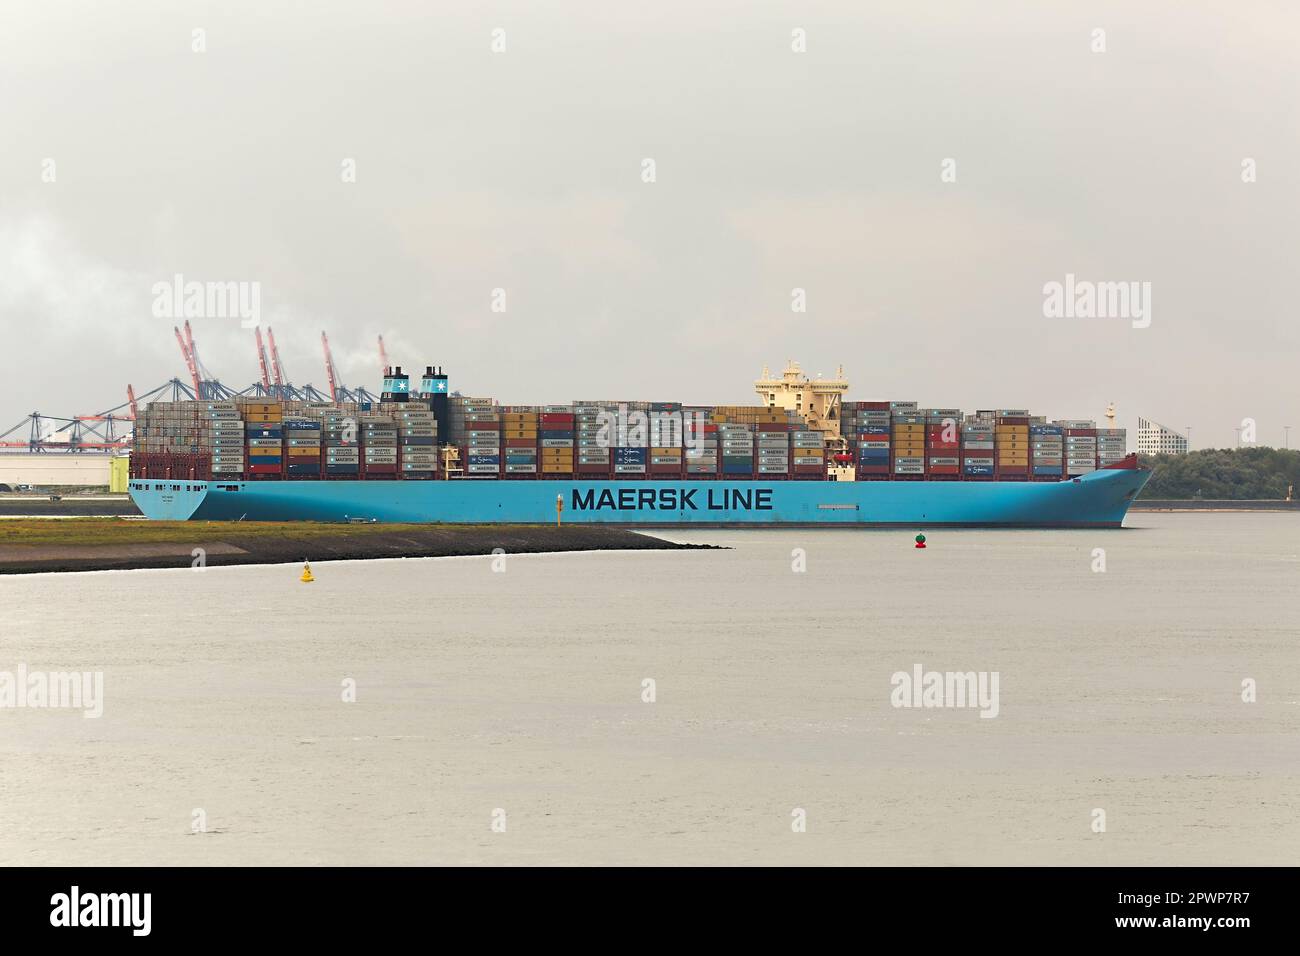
column 440, row 386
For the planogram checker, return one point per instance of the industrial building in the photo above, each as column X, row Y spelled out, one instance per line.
column 1156, row 439
column 64, row 469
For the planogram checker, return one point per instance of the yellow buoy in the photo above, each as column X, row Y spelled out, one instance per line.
column 306, row 573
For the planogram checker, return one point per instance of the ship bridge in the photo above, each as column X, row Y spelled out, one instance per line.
column 817, row 399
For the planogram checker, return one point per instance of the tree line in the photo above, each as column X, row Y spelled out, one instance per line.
column 1223, row 473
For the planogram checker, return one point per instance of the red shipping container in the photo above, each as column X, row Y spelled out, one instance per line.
column 556, row 418
column 593, row 469
column 942, row 470
column 874, row 406
column 773, row 427
column 873, row 469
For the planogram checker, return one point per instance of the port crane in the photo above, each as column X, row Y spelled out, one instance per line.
column 111, row 430
column 82, row 433
column 261, row 362
column 329, row 368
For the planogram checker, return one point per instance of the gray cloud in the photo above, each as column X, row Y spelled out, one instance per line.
column 775, row 170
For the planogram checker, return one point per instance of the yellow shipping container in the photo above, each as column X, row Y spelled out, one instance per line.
column 520, row 433
column 666, row 451
column 304, row 452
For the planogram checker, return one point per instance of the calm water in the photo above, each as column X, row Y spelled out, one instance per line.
column 522, row 691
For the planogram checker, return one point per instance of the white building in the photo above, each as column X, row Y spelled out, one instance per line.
column 1156, row 439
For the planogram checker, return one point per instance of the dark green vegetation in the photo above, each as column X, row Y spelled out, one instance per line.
column 1223, row 473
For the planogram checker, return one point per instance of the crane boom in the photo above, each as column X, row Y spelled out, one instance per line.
column 275, row 360
column 329, row 368
column 261, row 361
column 189, row 363
column 383, row 358
column 130, row 400
column 194, row 352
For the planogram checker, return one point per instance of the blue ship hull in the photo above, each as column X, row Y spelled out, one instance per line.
column 1097, row 500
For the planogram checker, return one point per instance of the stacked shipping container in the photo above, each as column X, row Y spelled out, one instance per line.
column 557, row 436
column 1011, row 445
column 1048, row 451
column 300, row 440
column 593, row 439
column 1080, row 447
column 701, row 437
column 978, row 447
column 908, row 448
column 943, row 443
column 417, row 441
column 264, row 430
column 1111, row 446
column 519, row 433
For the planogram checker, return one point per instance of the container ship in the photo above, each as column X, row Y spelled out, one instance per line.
column 803, row 456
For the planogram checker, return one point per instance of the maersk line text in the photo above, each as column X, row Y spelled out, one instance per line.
column 673, row 499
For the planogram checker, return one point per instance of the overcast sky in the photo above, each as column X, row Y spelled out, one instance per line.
column 774, row 170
